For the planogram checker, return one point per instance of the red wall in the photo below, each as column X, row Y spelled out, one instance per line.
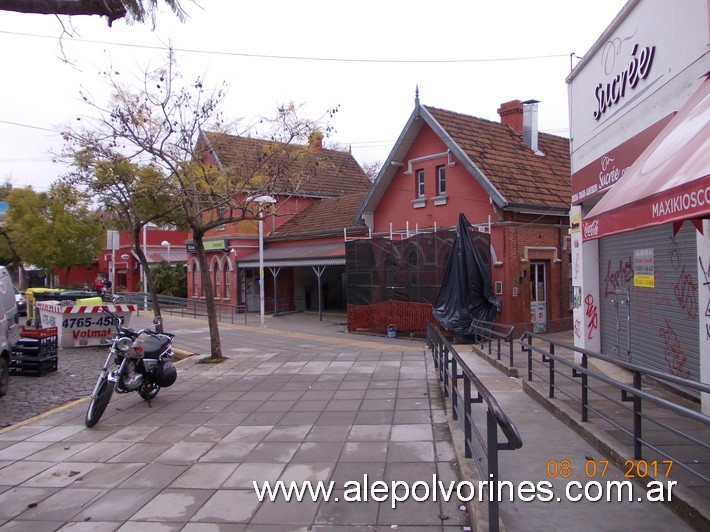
column 463, row 193
column 509, row 236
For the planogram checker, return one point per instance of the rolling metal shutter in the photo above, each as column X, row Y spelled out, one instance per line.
column 653, row 327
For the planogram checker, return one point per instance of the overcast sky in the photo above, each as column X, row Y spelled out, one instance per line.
column 367, row 57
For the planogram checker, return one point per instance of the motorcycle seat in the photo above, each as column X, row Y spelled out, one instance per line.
column 154, row 347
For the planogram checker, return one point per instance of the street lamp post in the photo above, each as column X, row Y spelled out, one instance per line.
column 261, row 200
column 166, row 243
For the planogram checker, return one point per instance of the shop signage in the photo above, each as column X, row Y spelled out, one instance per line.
column 611, row 93
column 213, row 245
column 209, row 245
column 602, row 173
column 643, row 268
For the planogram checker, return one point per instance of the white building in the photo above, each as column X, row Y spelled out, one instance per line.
column 640, row 132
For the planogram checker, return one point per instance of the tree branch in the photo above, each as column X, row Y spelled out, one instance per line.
column 111, row 9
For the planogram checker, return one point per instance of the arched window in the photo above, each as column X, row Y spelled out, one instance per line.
column 227, row 280
column 195, row 281
column 217, row 280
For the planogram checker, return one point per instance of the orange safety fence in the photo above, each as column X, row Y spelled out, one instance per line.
column 406, row 316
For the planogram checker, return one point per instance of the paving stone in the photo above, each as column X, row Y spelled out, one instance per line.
column 173, row 505
column 17, row 500
column 230, row 506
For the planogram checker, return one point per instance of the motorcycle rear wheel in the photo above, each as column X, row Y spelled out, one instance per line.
column 99, row 401
column 148, row 391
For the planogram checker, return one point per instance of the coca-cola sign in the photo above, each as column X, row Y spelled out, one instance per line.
column 590, row 230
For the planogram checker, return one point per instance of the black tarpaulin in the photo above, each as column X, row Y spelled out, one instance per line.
column 466, row 292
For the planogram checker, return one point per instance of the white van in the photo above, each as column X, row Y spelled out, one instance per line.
column 9, row 326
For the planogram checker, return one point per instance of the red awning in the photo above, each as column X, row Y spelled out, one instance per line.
column 669, row 182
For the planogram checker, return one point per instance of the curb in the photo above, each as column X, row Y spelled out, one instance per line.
column 477, row 512
column 493, row 361
column 612, row 450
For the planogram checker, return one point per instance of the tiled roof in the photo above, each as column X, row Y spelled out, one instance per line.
column 323, row 215
column 522, row 177
column 337, row 173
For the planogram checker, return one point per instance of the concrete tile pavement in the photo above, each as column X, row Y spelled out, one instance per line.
column 298, row 400
column 285, row 405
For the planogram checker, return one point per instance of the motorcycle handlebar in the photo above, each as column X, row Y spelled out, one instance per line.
column 132, row 332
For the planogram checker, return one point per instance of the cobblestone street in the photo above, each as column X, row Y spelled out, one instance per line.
column 74, row 379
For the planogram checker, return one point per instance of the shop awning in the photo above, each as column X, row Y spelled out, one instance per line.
column 669, row 182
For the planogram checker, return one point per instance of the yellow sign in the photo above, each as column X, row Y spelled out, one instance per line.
column 645, row 281
column 212, row 245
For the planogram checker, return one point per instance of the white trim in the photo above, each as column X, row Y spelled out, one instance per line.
column 546, row 249
column 447, row 154
column 295, row 262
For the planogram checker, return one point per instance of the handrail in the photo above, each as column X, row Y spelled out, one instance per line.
column 195, row 307
column 486, row 329
column 629, row 393
column 448, row 364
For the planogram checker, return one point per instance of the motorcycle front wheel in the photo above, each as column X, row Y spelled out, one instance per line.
column 148, row 391
column 99, row 401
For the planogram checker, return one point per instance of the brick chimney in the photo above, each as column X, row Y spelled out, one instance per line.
column 316, row 140
column 511, row 114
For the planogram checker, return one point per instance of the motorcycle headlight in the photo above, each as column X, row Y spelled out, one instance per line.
column 124, row 344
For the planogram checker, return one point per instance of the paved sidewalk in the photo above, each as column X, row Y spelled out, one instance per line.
column 286, row 405
column 547, row 442
column 298, row 400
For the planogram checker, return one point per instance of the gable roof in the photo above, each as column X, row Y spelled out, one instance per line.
column 494, row 154
column 338, row 173
column 330, row 215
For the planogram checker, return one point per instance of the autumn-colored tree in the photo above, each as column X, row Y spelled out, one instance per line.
column 162, row 124
column 130, row 195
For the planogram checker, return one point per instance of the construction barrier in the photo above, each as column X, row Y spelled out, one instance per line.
column 82, row 325
column 405, row 316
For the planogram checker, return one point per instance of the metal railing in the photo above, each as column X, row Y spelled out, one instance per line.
column 197, row 308
column 459, row 382
column 579, row 377
column 499, row 335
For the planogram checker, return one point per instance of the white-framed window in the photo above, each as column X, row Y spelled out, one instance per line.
column 419, row 184
column 195, row 282
column 227, row 280
column 441, row 180
column 217, row 279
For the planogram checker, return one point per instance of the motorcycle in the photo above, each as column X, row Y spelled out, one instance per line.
column 133, row 364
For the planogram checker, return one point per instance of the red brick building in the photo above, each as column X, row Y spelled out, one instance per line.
column 119, row 263
column 507, row 178
column 304, row 247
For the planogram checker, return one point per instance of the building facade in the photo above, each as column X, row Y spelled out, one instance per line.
column 119, row 263
column 640, row 163
column 508, row 179
column 303, row 233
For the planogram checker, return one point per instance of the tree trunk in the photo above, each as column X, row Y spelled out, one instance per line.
column 148, row 275
column 215, row 341
column 112, row 9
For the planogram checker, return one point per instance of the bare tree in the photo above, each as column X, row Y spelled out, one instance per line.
column 162, row 126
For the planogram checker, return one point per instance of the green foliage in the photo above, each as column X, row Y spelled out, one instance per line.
column 170, row 280
column 55, row 228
